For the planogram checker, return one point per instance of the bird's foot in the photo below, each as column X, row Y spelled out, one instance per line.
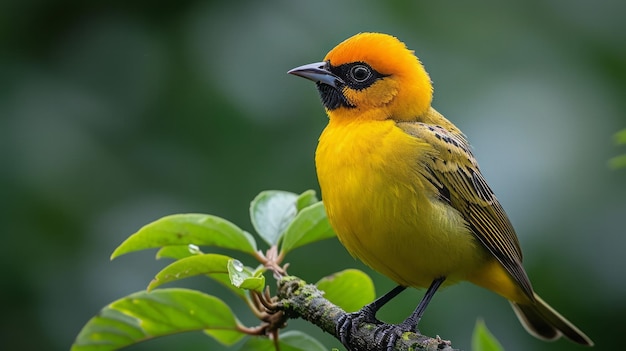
column 386, row 335
column 350, row 321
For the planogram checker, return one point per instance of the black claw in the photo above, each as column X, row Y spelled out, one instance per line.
column 391, row 343
column 388, row 334
column 384, row 335
column 344, row 328
column 349, row 321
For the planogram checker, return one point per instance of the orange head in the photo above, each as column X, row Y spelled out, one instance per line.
column 371, row 76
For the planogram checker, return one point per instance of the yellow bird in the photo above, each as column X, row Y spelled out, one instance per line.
column 404, row 192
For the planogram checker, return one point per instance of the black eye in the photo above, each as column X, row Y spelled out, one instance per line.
column 360, row 73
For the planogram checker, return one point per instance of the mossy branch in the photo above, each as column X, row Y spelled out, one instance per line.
column 297, row 299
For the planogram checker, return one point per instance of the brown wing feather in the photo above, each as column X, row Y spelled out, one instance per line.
column 453, row 170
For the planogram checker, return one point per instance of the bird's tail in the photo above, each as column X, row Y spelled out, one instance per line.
column 543, row 322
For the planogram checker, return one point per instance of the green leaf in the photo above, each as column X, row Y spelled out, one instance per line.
column 271, row 212
column 224, row 336
column 224, row 279
column 350, row 289
column 178, row 251
column 305, row 200
column 189, row 267
column 620, row 137
column 243, row 277
column 185, row 229
column 310, row 225
column 182, row 251
column 289, row 341
column 145, row 315
column 483, row 340
column 618, row 162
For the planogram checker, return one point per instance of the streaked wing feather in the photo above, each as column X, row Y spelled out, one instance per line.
column 453, row 170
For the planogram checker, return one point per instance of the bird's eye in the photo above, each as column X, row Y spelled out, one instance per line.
column 360, row 73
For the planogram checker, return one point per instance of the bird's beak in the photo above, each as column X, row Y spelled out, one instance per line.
column 318, row 72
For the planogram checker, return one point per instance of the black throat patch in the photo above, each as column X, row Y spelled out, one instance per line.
column 332, row 97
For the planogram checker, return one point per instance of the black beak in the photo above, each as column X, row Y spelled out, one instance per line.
column 318, row 72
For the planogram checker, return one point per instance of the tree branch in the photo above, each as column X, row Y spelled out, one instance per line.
column 297, row 299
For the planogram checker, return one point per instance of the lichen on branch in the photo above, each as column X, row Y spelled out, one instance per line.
column 297, row 299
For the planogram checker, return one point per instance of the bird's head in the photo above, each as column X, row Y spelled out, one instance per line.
column 371, row 76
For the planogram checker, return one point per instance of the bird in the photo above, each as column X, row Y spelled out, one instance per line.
column 404, row 192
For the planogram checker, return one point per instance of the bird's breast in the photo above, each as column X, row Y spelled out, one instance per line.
column 383, row 210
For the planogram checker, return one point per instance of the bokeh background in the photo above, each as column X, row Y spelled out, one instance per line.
column 115, row 113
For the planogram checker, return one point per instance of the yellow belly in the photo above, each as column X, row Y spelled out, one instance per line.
column 384, row 212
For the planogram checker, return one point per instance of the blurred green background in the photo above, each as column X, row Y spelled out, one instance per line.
column 115, row 113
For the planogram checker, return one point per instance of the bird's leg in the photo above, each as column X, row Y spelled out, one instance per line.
column 415, row 317
column 348, row 321
column 390, row 332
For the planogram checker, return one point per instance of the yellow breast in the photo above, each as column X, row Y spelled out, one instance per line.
column 384, row 212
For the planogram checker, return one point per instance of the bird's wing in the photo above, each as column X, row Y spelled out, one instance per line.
column 453, row 170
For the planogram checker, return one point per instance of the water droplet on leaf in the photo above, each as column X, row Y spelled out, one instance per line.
column 238, row 265
column 194, row 249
